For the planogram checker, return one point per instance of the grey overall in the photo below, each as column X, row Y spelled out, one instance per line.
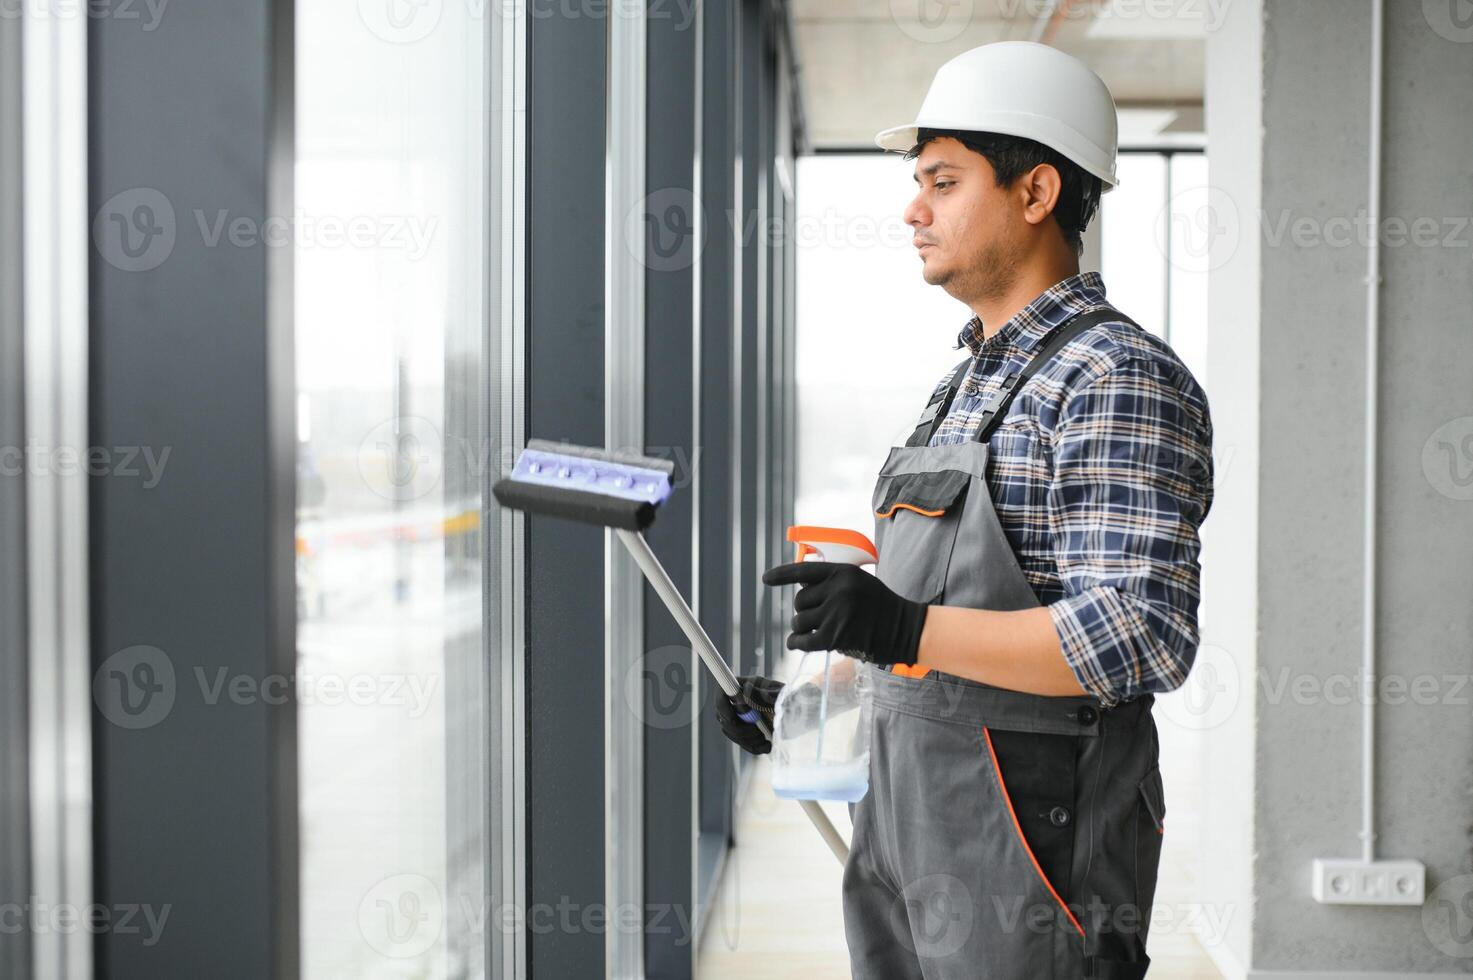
column 1005, row 836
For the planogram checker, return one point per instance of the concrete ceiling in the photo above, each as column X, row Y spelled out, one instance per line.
column 865, row 64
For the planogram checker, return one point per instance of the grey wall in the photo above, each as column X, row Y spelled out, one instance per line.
column 1305, row 387
column 195, row 801
column 566, row 76
column 720, row 291
column 670, row 677
column 692, row 408
column 750, row 224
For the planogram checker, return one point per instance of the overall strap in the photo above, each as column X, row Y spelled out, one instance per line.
column 937, row 407
column 997, row 409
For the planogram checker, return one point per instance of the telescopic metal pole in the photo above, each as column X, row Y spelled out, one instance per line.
column 716, row 664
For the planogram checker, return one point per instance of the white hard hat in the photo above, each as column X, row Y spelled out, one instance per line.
column 1020, row 88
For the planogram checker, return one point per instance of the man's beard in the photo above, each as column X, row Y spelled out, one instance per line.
column 989, row 276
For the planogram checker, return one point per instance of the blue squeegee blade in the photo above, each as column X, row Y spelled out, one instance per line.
column 625, row 481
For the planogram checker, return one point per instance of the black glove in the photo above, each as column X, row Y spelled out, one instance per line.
column 843, row 607
column 755, row 692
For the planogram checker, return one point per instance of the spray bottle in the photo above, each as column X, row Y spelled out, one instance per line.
column 821, row 727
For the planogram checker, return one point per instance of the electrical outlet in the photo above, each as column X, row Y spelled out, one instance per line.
column 1347, row 881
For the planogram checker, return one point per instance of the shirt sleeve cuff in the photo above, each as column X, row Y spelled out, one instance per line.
column 1082, row 622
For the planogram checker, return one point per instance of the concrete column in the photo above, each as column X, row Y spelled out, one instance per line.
column 1287, row 100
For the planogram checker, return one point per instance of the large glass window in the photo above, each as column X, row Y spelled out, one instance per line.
column 872, row 337
column 389, row 238
column 860, row 291
column 1154, row 231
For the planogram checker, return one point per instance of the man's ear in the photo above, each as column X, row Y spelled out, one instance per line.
column 1040, row 189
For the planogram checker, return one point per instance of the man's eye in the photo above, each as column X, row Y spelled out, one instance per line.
column 940, row 184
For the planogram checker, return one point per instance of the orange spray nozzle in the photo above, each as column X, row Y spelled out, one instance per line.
column 836, row 544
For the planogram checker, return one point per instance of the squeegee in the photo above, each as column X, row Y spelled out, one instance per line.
column 623, row 491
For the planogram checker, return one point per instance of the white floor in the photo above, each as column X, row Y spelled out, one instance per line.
column 778, row 915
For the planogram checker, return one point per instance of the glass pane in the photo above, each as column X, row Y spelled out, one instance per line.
column 859, row 293
column 1132, row 246
column 1194, row 222
column 389, row 247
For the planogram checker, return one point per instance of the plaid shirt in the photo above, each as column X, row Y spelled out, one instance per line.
column 1101, row 475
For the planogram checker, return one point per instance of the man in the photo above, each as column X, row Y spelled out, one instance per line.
column 1038, row 574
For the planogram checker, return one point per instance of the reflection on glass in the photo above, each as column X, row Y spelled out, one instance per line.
column 389, row 253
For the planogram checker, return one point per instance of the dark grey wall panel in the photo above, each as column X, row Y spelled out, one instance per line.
column 193, row 809
column 566, row 64
column 770, row 604
column 786, row 108
column 752, row 232
column 669, row 678
column 718, row 473
column 788, row 451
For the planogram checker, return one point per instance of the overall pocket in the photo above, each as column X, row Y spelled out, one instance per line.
column 1036, row 773
column 1150, row 829
column 916, row 517
column 1121, row 953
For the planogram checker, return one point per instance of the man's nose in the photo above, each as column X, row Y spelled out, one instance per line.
column 917, row 215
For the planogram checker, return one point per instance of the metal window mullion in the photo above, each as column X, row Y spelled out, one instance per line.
column 15, row 795
column 697, row 321
column 1166, row 192
column 761, row 538
column 504, row 608
column 281, row 443
column 623, row 429
column 54, row 123
column 736, row 168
